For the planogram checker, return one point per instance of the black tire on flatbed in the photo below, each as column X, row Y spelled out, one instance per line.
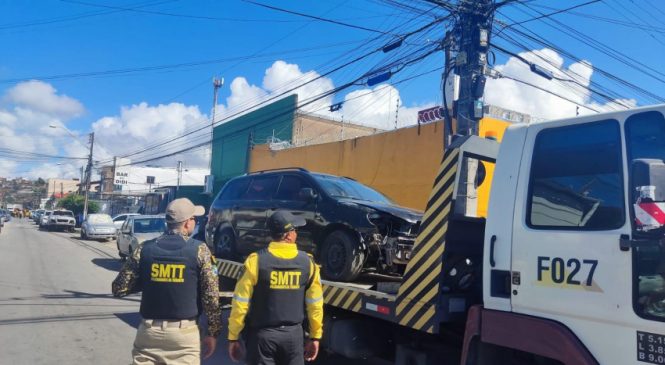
column 341, row 258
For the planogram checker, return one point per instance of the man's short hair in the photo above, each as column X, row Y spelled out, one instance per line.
column 172, row 226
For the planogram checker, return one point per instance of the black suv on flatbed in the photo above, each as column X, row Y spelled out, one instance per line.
column 350, row 226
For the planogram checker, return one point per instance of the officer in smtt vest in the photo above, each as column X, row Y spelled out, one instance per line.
column 176, row 275
column 277, row 286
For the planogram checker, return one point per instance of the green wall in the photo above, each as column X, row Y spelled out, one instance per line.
column 231, row 139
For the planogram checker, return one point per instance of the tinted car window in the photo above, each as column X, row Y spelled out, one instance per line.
column 235, row 189
column 66, row 213
column 289, row 188
column 342, row 187
column 577, row 179
column 149, row 225
column 261, row 188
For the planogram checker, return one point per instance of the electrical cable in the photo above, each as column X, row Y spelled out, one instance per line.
column 314, row 17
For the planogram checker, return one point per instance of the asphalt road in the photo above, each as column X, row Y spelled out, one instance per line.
column 56, row 305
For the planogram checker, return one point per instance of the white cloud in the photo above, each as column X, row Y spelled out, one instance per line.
column 516, row 96
column 30, row 107
column 141, row 125
column 377, row 108
column 371, row 107
column 43, row 97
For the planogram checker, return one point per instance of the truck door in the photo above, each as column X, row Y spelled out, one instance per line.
column 645, row 146
column 570, row 216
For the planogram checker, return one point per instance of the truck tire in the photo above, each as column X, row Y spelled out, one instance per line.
column 341, row 257
column 224, row 244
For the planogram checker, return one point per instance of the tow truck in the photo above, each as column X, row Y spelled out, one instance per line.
column 566, row 267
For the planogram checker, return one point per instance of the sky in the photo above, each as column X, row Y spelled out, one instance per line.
column 139, row 73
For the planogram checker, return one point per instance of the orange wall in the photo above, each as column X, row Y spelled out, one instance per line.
column 401, row 164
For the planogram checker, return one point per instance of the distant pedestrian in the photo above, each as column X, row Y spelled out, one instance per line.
column 176, row 275
column 278, row 285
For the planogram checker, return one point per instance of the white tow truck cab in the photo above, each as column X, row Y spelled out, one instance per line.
column 564, row 265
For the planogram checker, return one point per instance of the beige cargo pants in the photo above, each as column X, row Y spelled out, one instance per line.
column 162, row 342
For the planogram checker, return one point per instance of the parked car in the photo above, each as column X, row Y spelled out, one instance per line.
column 43, row 221
column 61, row 220
column 98, row 226
column 120, row 219
column 37, row 215
column 6, row 214
column 350, row 226
column 139, row 228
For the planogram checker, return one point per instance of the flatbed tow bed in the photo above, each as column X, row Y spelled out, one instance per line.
column 416, row 300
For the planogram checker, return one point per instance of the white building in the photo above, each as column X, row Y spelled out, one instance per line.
column 130, row 179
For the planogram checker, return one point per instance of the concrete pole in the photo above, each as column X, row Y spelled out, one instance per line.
column 88, row 176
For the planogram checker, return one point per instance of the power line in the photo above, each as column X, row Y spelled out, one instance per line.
column 543, row 16
column 128, row 70
column 548, row 91
column 289, row 90
column 315, row 17
column 78, row 16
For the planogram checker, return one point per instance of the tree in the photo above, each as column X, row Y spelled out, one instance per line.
column 75, row 203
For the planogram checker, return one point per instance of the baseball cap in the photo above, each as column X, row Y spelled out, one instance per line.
column 182, row 209
column 282, row 221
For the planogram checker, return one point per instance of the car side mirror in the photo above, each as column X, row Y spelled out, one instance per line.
column 648, row 177
column 308, row 194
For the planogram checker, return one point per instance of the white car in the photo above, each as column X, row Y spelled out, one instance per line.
column 43, row 222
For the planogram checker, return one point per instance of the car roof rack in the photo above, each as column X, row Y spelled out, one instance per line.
column 279, row 169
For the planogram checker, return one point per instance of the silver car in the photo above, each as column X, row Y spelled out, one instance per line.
column 43, row 221
column 98, row 226
column 139, row 228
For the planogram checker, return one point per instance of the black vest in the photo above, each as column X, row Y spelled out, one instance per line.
column 279, row 294
column 169, row 274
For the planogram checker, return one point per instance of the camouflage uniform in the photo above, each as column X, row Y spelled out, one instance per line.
column 125, row 283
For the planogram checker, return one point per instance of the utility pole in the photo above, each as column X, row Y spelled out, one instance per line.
column 179, row 177
column 88, row 176
column 115, row 162
column 216, row 84
column 473, row 40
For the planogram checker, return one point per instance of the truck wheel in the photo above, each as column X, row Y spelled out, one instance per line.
column 225, row 244
column 341, row 257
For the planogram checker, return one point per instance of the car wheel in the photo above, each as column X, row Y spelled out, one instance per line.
column 341, row 257
column 123, row 257
column 225, row 244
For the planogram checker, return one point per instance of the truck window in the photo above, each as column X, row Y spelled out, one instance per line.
column 645, row 142
column 576, row 178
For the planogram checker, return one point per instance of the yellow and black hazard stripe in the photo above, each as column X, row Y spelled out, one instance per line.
column 417, row 298
column 344, row 298
column 359, row 301
column 229, row 269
